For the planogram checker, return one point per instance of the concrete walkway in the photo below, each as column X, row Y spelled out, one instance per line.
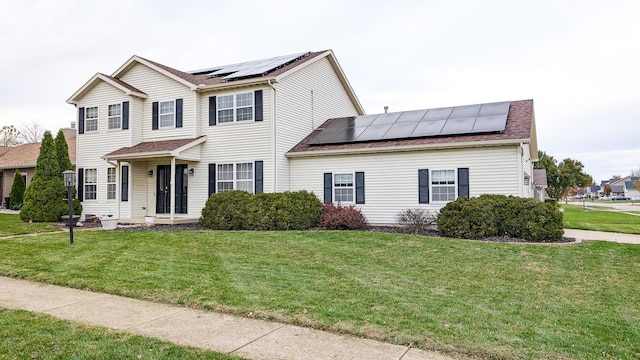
column 586, row 235
column 248, row 338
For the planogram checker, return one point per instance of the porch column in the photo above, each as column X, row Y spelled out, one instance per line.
column 172, row 198
column 118, row 177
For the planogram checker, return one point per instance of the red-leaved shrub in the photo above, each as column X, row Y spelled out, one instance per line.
column 341, row 218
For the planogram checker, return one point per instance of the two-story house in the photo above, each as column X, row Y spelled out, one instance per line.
column 156, row 141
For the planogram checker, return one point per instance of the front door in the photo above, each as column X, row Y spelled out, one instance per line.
column 163, row 189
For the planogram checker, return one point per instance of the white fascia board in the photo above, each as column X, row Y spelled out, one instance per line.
column 142, row 61
column 100, row 77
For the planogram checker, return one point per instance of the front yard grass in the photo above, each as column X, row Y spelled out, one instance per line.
column 10, row 224
column 483, row 299
column 27, row 335
column 600, row 220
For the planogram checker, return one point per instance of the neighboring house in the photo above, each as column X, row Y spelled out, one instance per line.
column 24, row 158
column 540, row 184
column 624, row 186
column 156, row 141
column 386, row 163
column 592, row 191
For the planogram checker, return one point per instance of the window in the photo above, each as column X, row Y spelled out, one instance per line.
column 114, row 120
column 238, row 107
column 91, row 119
column 443, row 185
column 343, row 188
column 235, row 177
column 90, row 184
column 24, row 178
column 111, row 183
column 167, row 114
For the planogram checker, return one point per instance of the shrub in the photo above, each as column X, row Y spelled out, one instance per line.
column 552, row 201
column 498, row 215
column 277, row 211
column 16, row 196
column 230, row 210
column 416, row 220
column 341, row 218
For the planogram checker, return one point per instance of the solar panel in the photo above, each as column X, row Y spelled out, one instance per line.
column 249, row 68
column 459, row 120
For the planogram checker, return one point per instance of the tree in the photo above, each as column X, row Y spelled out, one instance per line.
column 31, row 133
column 44, row 198
column 562, row 176
column 9, row 136
column 607, row 189
column 16, row 195
column 62, row 152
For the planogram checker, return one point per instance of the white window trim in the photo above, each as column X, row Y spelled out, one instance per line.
column 110, row 117
column 173, row 125
column 114, row 183
column 84, row 186
column 431, row 186
column 235, row 108
column 235, row 179
column 353, row 187
column 87, row 119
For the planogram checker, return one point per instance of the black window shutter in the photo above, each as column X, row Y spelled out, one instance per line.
column 125, row 115
column 212, row 179
column 80, row 184
column 81, row 120
column 212, row 110
column 259, row 184
column 328, row 187
column 360, row 188
column 463, row 182
column 154, row 115
column 423, row 186
column 258, row 103
column 178, row 113
column 124, row 186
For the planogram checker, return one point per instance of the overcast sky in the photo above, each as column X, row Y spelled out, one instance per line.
column 578, row 60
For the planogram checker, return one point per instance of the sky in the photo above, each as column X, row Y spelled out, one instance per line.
column 578, row 60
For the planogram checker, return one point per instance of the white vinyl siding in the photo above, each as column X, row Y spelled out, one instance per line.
column 392, row 178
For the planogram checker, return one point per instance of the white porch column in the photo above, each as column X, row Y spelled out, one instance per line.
column 172, row 198
column 118, row 198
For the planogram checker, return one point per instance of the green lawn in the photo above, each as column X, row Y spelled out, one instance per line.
column 484, row 299
column 10, row 224
column 27, row 335
column 601, row 220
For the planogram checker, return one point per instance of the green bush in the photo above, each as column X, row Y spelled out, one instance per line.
column 278, row 211
column 228, row 210
column 16, row 196
column 552, row 201
column 336, row 217
column 498, row 215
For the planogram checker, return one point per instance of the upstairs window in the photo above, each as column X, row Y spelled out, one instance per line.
column 91, row 119
column 238, row 107
column 167, row 114
column 114, row 119
column 90, row 184
column 443, row 185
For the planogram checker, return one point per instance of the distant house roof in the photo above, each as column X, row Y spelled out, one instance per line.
column 26, row 155
column 520, row 127
column 540, row 178
column 629, row 185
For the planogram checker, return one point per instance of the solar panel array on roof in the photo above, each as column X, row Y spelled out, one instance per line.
column 457, row 120
column 249, row 68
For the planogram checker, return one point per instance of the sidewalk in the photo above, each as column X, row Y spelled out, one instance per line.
column 249, row 338
column 586, row 235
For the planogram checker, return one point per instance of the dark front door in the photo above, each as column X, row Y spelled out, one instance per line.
column 163, row 189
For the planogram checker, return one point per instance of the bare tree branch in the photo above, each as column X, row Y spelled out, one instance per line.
column 10, row 136
column 31, row 133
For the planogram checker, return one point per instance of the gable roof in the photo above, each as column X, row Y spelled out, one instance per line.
column 26, row 155
column 151, row 149
column 519, row 128
column 201, row 81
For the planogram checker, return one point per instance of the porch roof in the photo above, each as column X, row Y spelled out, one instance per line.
column 157, row 149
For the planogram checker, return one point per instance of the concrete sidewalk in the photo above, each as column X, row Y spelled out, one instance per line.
column 586, row 235
column 249, row 338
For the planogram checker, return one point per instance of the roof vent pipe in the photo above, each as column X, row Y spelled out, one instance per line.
column 386, row 108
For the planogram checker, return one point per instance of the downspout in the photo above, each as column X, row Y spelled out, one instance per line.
column 274, row 166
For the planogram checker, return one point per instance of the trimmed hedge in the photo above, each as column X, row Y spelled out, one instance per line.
column 239, row 210
column 499, row 215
